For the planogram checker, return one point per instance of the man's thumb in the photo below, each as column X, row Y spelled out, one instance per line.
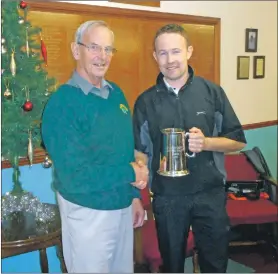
column 140, row 163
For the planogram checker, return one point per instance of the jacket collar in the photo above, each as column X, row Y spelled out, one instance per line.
column 161, row 86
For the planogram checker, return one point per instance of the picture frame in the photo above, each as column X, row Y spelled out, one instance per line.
column 258, row 67
column 243, row 67
column 251, row 40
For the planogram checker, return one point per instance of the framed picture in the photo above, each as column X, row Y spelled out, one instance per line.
column 251, row 40
column 259, row 67
column 243, row 65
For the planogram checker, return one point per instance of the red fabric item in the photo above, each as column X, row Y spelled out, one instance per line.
column 150, row 244
column 145, row 197
column 263, row 195
column 252, row 212
column 239, row 169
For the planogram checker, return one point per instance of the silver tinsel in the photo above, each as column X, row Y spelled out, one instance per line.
column 26, row 202
column 25, row 217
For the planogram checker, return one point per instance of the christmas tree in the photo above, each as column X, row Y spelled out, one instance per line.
column 25, row 85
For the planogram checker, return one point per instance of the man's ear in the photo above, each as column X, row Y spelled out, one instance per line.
column 155, row 56
column 75, row 51
column 189, row 52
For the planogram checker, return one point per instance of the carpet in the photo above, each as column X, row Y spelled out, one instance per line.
column 233, row 267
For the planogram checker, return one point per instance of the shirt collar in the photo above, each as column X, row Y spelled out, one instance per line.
column 175, row 90
column 78, row 81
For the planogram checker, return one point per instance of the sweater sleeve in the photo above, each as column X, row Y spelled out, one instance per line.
column 64, row 136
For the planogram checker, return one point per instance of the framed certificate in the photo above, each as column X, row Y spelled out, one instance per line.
column 243, row 65
column 259, row 67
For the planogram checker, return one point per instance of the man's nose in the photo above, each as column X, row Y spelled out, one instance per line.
column 170, row 58
column 102, row 52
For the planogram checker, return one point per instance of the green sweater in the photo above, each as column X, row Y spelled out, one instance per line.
column 90, row 141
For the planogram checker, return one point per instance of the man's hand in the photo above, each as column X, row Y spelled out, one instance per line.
column 196, row 140
column 138, row 213
column 141, row 157
column 140, row 185
column 142, row 175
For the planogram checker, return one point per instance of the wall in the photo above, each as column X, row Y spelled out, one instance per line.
column 247, row 96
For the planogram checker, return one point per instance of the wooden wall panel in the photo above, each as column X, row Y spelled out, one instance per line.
column 133, row 66
column 125, row 67
column 202, row 38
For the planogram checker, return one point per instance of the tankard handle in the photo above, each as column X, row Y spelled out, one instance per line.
column 193, row 153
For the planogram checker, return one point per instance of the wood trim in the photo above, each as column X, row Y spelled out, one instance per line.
column 39, row 154
column 217, row 44
column 138, row 2
column 260, row 124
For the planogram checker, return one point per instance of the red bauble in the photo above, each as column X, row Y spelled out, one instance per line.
column 23, row 5
column 28, row 106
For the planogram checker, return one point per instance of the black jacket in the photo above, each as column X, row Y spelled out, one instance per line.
column 199, row 103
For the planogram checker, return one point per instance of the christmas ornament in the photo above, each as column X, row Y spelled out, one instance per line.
column 13, row 64
column 20, row 21
column 47, row 163
column 7, row 94
column 30, row 149
column 28, row 105
column 3, row 50
column 27, row 43
column 23, row 5
column 44, row 51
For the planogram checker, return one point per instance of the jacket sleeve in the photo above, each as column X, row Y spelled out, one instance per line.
column 63, row 132
column 142, row 138
column 229, row 124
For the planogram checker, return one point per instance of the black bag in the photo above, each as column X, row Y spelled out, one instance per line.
column 245, row 189
column 256, row 158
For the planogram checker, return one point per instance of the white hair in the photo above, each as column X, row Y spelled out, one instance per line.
column 87, row 25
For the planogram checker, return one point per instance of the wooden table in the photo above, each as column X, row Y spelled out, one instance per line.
column 22, row 232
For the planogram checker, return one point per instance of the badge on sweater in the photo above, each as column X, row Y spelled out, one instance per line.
column 124, row 108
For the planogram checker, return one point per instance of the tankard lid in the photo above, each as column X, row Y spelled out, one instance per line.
column 172, row 130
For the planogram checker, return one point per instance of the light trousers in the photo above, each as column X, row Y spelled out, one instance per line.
column 96, row 241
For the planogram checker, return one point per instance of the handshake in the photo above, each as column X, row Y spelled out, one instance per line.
column 141, row 171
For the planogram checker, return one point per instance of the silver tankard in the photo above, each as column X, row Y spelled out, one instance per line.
column 173, row 155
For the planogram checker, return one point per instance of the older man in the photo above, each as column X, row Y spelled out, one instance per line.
column 87, row 130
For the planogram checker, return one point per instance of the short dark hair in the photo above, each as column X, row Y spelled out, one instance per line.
column 173, row 28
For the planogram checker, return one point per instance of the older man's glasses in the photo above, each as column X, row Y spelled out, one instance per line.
column 94, row 48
